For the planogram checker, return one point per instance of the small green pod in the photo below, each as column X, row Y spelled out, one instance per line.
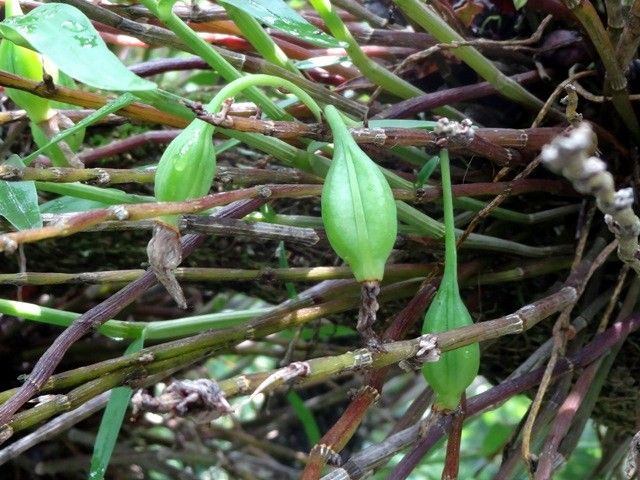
column 28, row 64
column 187, row 166
column 455, row 370
column 358, row 208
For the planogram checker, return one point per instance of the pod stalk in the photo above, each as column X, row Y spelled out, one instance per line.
column 368, row 312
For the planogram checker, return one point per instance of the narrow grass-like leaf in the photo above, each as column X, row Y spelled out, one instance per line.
column 284, row 263
column 111, row 422
column 66, row 36
column 19, row 201
column 111, row 107
column 279, row 15
column 425, row 172
column 108, row 196
column 311, row 429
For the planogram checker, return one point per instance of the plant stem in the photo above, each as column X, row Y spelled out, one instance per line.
column 97, row 316
column 428, row 19
column 588, row 17
column 379, row 75
column 260, row 39
column 250, row 81
column 164, row 11
column 451, row 255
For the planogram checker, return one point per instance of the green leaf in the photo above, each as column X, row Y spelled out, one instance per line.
column 19, row 201
column 496, row 437
column 519, row 4
column 319, row 62
column 284, row 263
column 77, row 50
column 70, row 205
column 305, row 416
column 425, row 172
column 111, row 422
column 111, row 107
column 109, row 196
column 277, row 14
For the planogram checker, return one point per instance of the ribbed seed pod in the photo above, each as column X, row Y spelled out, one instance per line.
column 358, row 209
column 455, row 370
column 187, row 166
column 26, row 63
column 359, row 217
column 186, row 170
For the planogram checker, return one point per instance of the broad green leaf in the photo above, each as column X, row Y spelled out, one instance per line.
column 77, row 50
column 519, row 4
column 495, row 438
column 277, row 14
column 111, row 422
column 19, row 201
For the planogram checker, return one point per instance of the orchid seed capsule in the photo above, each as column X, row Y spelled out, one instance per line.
column 187, row 166
column 186, row 170
column 359, row 216
column 358, row 209
column 456, row 369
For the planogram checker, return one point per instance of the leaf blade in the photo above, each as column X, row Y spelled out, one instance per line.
column 19, row 201
column 76, row 38
column 111, row 422
column 277, row 14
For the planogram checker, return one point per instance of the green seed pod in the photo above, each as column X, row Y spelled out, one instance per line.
column 28, row 64
column 455, row 370
column 187, row 166
column 358, row 209
column 186, row 170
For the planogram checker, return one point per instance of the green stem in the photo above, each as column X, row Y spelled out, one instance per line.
column 110, row 196
column 250, row 81
column 260, row 39
column 379, row 75
column 163, row 10
column 429, row 20
column 160, row 330
column 586, row 13
column 451, row 255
